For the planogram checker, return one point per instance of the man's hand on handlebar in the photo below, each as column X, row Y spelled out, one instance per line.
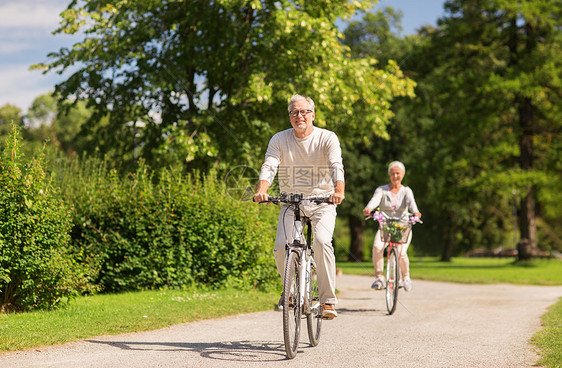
column 337, row 198
column 260, row 197
column 261, row 191
column 339, row 193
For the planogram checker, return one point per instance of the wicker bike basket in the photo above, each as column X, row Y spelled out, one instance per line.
column 395, row 231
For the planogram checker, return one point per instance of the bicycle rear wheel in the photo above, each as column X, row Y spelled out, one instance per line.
column 314, row 318
column 392, row 280
column 291, row 308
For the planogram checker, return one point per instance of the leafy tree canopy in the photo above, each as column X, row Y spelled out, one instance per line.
column 489, row 108
column 211, row 80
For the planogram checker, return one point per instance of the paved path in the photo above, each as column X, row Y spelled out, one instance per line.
column 435, row 325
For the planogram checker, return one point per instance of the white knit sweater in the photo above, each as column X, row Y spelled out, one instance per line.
column 309, row 165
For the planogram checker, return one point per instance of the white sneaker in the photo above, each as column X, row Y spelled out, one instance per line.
column 377, row 285
column 407, row 284
column 279, row 306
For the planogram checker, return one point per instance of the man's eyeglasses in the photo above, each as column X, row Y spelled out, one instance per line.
column 296, row 113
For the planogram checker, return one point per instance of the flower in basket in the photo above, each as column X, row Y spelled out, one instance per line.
column 395, row 230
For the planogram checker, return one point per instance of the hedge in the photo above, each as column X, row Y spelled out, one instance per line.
column 148, row 230
column 36, row 270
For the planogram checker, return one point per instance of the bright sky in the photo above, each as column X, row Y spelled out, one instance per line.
column 26, row 38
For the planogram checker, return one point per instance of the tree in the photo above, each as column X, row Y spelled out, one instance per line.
column 62, row 127
column 9, row 114
column 377, row 35
column 219, row 73
column 366, row 158
column 42, row 111
column 491, row 74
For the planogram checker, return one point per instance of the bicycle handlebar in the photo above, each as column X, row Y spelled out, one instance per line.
column 408, row 215
column 297, row 199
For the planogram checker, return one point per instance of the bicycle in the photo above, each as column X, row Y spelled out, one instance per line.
column 300, row 286
column 394, row 231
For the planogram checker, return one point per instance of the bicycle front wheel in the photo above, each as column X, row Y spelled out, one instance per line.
column 392, row 280
column 314, row 318
column 291, row 306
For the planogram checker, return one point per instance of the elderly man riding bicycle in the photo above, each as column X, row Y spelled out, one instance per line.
column 307, row 160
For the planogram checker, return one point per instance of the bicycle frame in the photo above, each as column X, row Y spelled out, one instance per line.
column 303, row 247
column 398, row 249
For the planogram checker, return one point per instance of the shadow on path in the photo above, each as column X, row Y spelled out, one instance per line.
column 356, row 310
column 243, row 351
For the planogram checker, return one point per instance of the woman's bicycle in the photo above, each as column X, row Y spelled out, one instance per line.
column 394, row 231
column 300, row 297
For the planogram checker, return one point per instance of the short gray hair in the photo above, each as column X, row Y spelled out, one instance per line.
column 397, row 163
column 297, row 97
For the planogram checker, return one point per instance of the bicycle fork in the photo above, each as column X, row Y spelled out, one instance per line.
column 305, row 267
column 398, row 249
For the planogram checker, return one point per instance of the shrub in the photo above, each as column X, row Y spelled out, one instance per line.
column 145, row 232
column 35, row 268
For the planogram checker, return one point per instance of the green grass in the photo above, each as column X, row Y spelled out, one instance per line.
column 127, row 312
column 549, row 340
column 474, row 270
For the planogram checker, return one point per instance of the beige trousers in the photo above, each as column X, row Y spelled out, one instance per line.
column 378, row 253
column 323, row 220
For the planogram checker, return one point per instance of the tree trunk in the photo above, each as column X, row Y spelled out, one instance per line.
column 447, row 237
column 527, row 247
column 447, row 250
column 527, row 225
column 524, row 250
column 356, row 226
